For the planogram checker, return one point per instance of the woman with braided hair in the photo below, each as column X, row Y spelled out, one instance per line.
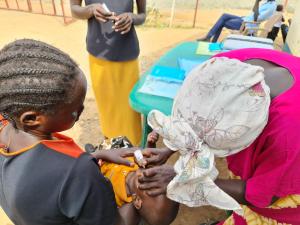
column 42, row 180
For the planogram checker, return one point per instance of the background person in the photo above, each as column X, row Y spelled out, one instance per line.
column 113, row 49
column 260, row 13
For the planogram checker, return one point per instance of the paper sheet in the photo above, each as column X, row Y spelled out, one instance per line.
column 153, row 86
column 203, row 49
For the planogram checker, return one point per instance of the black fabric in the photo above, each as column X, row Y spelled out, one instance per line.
column 273, row 33
column 103, row 42
column 275, row 30
column 284, row 31
column 45, row 187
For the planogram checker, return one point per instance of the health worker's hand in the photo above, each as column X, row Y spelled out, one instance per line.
column 156, row 156
column 156, row 179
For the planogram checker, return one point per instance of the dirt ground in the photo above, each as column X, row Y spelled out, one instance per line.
column 71, row 38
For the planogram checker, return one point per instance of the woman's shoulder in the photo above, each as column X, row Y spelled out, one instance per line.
column 275, row 56
column 282, row 131
column 282, row 59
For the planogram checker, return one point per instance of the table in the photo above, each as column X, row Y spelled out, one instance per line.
column 144, row 103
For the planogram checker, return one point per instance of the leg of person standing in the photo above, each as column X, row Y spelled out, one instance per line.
column 112, row 83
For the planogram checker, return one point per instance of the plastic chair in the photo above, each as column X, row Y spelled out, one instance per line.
column 262, row 28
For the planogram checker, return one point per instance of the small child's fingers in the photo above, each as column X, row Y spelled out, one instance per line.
column 153, row 136
column 100, row 162
column 149, row 137
column 156, row 135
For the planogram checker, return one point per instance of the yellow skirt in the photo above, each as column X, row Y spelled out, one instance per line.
column 112, row 83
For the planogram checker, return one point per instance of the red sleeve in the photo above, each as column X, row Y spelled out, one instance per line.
column 3, row 121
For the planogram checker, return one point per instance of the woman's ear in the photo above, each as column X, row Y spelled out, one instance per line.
column 137, row 202
column 31, row 119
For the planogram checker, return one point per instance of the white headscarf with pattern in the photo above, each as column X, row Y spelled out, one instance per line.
column 221, row 108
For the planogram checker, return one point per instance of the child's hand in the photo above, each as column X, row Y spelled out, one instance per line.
column 117, row 156
column 152, row 138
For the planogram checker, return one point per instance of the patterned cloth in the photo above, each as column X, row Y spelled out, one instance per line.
column 221, row 109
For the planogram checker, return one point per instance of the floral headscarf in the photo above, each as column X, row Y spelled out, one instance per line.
column 221, row 109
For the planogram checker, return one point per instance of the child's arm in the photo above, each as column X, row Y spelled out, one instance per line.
column 117, row 156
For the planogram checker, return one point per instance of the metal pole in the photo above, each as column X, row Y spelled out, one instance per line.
column 29, row 5
column 6, row 3
column 41, row 5
column 17, row 4
column 195, row 14
column 172, row 13
column 54, row 8
column 63, row 10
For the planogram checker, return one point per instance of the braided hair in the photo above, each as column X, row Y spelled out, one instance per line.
column 34, row 76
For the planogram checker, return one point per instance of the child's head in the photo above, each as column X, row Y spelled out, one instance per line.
column 41, row 88
column 154, row 210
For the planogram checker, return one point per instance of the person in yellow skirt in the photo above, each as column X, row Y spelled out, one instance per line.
column 113, row 49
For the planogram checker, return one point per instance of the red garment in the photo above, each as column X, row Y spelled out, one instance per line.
column 270, row 166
